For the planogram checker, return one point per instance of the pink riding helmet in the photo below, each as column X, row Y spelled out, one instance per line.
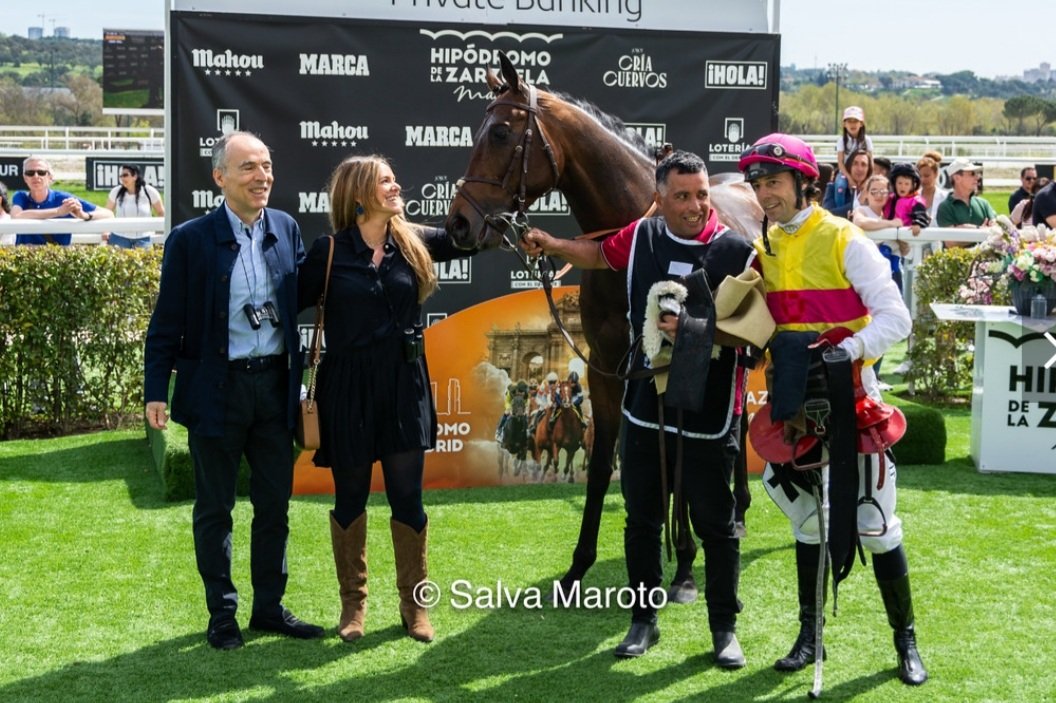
column 775, row 153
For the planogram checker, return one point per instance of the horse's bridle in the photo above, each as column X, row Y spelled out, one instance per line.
column 517, row 220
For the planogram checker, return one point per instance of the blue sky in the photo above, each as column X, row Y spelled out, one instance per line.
column 985, row 36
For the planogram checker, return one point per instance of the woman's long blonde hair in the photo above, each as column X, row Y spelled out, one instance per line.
column 353, row 187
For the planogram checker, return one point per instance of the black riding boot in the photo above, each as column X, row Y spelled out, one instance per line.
column 803, row 650
column 892, row 575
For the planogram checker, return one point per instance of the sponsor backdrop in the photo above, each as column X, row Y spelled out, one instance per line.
column 318, row 89
column 104, row 173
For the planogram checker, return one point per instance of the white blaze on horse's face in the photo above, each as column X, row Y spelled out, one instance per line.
column 388, row 191
column 685, row 203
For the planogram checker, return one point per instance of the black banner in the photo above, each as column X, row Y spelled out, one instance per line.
column 319, row 89
column 103, row 173
column 11, row 173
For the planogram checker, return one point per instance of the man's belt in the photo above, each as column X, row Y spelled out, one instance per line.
column 256, row 364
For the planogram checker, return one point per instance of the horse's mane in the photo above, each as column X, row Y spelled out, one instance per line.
column 611, row 123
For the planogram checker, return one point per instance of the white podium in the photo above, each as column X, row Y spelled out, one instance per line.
column 1013, row 388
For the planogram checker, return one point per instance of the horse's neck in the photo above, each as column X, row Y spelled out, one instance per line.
column 606, row 183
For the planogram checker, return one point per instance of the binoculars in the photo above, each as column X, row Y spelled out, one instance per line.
column 413, row 343
column 266, row 311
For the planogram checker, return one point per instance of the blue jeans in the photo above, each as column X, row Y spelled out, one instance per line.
column 116, row 240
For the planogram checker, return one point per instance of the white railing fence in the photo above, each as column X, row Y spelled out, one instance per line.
column 87, row 232
column 982, row 149
column 80, row 141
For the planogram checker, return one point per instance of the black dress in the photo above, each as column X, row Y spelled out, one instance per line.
column 372, row 400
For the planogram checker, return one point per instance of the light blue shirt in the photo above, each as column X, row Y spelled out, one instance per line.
column 251, row 283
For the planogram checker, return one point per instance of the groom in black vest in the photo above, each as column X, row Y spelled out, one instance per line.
column 688, row 246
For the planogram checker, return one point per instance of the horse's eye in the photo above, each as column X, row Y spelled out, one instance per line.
column 500, row 132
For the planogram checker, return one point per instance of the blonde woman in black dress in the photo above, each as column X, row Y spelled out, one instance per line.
column 375, row 401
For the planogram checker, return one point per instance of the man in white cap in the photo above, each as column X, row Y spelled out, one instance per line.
column 963, row 208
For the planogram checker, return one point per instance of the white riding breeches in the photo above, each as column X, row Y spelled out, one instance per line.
column 802, row 510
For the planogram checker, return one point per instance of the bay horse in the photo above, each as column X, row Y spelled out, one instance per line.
column 567, row 433
column 531, row 142
column 514, row 443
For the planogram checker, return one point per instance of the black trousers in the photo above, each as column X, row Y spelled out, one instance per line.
column 707, row 468
column 254, row 425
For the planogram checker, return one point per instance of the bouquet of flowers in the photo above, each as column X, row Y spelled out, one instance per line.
column 1021, row 260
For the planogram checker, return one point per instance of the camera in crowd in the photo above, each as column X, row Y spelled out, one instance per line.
column 266, row 311
column 413, row 343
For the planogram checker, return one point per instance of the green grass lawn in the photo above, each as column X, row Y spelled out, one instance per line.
column 998, row 199
column 103, row 602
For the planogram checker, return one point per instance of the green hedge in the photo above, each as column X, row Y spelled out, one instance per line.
column 925, row 438
column 72, row 323
column 942, row 352
column 172, row 461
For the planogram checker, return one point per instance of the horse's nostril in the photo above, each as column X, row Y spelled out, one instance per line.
column 457, row 226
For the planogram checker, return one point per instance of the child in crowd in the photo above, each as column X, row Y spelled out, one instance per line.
column 906, row 204
column 875, row 213
column 853, row 137
column 870, row 216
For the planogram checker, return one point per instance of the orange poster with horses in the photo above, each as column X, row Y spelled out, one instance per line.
column 474, row 358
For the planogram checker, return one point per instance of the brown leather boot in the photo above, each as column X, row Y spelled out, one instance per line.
column 409, row 548
column 350, row 558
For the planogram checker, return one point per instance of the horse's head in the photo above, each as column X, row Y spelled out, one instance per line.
column 519, row 404
column 565, row 394
column 510, row 166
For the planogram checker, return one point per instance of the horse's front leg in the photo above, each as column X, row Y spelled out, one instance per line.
column 605, row 396
column 570, row 454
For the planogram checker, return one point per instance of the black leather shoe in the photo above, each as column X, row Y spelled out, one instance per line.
column 639, row 639
column 728, row 653
column 285, row 623
column 225, row 635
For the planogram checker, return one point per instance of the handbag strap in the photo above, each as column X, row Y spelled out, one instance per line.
column 317, row 331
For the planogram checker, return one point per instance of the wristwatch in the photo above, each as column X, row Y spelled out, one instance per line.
column 90, row 216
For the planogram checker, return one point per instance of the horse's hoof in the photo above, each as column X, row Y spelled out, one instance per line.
column 682, row 592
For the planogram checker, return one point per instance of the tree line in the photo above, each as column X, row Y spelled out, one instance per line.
column 965, row 104
column 813, row 109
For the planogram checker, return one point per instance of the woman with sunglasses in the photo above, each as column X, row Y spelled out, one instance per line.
column 134, row 198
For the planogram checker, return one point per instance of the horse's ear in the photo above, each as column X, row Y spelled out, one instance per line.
column 493, row 81
column 509, row 72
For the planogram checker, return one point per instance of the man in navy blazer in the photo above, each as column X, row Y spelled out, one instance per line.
column 226, row 322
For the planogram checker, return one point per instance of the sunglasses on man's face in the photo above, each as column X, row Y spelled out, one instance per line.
column 36, row 173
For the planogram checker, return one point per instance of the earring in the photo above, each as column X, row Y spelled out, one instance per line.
column 359, row 210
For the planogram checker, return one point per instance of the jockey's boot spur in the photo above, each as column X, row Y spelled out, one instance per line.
column 803, row 649
column 892, row 576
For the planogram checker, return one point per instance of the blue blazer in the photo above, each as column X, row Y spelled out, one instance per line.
column 188, row 330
